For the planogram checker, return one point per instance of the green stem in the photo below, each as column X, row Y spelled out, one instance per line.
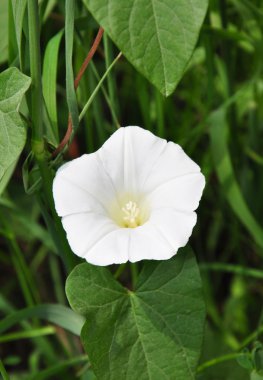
column 38, row 146
column 159, row 113
column 35, row 70
column 134, row 273
column 56, row 230
column 69, row 38
column 23, row 283
column 107, row 98
column 58, row 282
column 220, row 359
column 110, row 81
column 236, row 269
column 119, row 271
column 31, row 288
column 252, row 337
column 210, row 69
column 87, row 105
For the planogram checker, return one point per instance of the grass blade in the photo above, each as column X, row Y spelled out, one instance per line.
column 49, row 79
column 59, row 315
column 218, row 133
column 47, row 373
column 28, row 334
column 69, row 36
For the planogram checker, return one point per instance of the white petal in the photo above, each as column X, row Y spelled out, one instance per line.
column 182, row 193
column 172, row 163
column 129, row 155
column 160, row 238
column 175, row 225
column 148, row 243
column 112, row 248
column 82, row 185
column 85, row 231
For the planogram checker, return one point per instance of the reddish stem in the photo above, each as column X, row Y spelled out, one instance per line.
column 89, row 57
column 84, row 66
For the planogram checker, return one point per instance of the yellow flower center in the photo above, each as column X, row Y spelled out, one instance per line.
column 131, row 214
column 129, row 211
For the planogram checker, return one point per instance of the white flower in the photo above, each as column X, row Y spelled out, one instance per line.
column 133, row 199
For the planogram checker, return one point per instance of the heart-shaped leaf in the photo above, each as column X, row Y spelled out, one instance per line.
column 154, row 332
column 157, row 36
column 13, row 85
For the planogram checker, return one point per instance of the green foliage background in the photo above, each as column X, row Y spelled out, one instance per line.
column 215, row 113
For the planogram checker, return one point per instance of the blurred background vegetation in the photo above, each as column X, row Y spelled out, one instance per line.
column 216, row 114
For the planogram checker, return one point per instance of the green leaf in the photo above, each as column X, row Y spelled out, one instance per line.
column 244, row 360
column 257, row 357
column 13, row 85
column 3, row 31
column 154, row 332
column 157, row 37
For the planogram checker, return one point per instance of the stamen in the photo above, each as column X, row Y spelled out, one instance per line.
column 131, row 211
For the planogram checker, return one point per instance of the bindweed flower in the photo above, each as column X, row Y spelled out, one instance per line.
column 133, row 199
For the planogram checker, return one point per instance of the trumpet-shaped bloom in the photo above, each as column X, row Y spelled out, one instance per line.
column 133, row 199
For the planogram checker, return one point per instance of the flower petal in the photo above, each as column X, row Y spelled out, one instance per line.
column 86, row 230
column 147, row 243
column 175, row 226
column 112, row 248
column 182, row 193
column 172, row 163
column 82, row 185
column 160, row 238
column 129, row 155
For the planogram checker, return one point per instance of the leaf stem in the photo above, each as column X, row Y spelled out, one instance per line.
column 134, row 274
column 119, row 271
column 89, row 57
column 218, row 360
column 252, row 337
